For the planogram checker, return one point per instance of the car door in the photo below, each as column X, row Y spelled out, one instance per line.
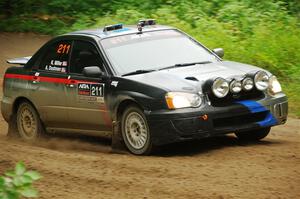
column 85, row 95
column 47, row 89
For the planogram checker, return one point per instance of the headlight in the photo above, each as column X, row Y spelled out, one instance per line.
column 235, row 86
column 274, row 86
column 247, row 84
column 261, row 80
column 220, row 87
column 182, row 100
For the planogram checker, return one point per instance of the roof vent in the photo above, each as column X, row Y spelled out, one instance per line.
column 147, row 22
column 113, row 27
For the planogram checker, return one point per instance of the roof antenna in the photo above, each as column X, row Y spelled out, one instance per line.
column 140, row 27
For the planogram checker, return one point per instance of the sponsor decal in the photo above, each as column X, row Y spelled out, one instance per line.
column 114, row 83
column 94, row 90
column 91, row 92
column 87, row 98
column 84, row 89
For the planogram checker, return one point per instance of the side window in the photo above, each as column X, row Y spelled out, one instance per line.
column 56, row 57
column 84, row 54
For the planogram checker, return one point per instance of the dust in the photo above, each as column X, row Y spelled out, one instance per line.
column 61, row 142
column 66, row 144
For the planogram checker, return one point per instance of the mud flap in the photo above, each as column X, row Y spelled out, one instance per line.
column 12, row 127
column 117, row 144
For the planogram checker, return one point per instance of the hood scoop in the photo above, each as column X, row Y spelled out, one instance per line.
column 192, row 79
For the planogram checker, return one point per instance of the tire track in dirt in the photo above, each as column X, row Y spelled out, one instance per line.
column 84, row 167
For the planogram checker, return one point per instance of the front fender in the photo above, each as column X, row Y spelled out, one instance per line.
column 145, row 102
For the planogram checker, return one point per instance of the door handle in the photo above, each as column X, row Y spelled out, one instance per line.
column 71, row 84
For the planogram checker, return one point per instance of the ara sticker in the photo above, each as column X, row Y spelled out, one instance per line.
column 94, row 90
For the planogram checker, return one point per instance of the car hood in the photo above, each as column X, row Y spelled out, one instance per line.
column 191, row 78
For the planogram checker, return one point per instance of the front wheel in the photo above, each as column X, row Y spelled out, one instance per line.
column 253, row 135
column 135, row 131
column 28, row 122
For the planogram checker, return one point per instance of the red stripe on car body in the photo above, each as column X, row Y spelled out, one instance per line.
column 18, row 76
column 105, row 114
column 46, row 79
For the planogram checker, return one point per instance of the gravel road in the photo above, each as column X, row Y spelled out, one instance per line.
column 84, row 167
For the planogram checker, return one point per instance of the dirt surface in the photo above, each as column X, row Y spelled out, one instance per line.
column 84, row 167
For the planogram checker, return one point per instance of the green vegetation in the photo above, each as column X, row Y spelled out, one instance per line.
column 263, row 33
column 18, row 183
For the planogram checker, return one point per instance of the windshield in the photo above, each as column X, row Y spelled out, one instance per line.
column 153, row 50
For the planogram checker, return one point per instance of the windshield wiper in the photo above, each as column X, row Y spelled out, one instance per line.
column 138, row 72
column 168, row 67
column 185, row 64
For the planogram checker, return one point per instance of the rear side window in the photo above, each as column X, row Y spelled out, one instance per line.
column 56, row 57
column 84, row 54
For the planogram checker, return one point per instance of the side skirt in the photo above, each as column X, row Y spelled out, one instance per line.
column 107, row 134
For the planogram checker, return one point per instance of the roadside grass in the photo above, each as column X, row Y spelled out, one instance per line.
column 293, row 92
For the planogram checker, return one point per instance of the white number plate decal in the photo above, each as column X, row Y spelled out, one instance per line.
column 97, row 90
column 94, row 90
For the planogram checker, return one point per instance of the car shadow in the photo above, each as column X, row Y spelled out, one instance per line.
column 205, row 145
column 86, row 143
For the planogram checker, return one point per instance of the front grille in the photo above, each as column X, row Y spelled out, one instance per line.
column 240, row 119
column 231, row 98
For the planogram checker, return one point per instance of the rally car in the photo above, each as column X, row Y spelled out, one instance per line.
column 147, row 83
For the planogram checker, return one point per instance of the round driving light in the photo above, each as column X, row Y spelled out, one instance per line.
column 261, row 80
column 220, row 87
column 247, row 84
column 235, row 86
column 274, row 86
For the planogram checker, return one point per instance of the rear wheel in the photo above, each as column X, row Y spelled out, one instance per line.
column 28, row 122
column 135, row 131
column 253, row 135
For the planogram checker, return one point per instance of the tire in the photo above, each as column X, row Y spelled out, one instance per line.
column 29, row 125
column 135, row 131
column 254, row 135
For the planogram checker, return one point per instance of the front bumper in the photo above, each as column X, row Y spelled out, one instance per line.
column 167, row 126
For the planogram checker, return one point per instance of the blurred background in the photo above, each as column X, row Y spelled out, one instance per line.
column 265, row 33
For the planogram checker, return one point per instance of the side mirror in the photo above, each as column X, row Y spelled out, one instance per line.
column 219, row 52
column 92, row 71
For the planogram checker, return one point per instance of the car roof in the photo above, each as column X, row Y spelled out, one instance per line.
column 130, row 29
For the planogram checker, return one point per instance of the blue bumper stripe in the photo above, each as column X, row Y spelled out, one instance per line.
column 255, row 107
